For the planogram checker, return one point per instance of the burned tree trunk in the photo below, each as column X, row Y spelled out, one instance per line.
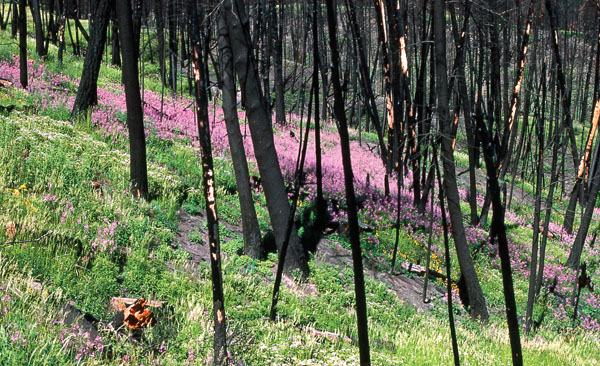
column 500, row 230
column 575, row 254
column 208, row 182
column 252, row 241
column 262, row 133
column 135, row 114
column 40, row 49
column 87, row 93
column 477, row 301
column 22, row 16
column 340, row 116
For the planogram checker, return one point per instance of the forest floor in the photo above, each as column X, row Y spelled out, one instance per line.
column 409, row 290
column 66, row 242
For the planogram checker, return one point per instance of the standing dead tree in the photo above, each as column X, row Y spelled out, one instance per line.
column 340, row 116
column 208, row 184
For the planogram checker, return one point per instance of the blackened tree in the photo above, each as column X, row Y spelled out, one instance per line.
column 476, row 299
column 252, row 241
column 261, row 132
column 22, row 16
column 135, row 115
column 87, row 93
column 340, row 116
column 208, row 183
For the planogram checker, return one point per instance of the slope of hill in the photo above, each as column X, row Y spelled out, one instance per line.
column 65, row 240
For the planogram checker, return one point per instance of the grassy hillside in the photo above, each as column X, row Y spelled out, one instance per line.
column 64, row 241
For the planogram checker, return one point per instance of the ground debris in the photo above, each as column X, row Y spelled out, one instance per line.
column 135, row 313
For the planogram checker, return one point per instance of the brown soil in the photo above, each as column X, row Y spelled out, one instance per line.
column 408, row 289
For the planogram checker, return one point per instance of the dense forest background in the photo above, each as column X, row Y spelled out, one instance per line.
column 448, row 151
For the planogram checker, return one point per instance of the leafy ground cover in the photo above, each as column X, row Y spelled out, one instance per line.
column 64, row 240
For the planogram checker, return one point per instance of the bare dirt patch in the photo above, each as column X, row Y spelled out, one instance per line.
column 407, row 288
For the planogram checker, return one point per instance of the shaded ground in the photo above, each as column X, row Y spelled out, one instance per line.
column 409, row 289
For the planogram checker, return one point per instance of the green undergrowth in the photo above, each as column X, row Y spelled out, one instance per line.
column 64, row 240
column 48, row 168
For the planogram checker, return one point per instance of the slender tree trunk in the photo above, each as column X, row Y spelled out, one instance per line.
column 321, row 205
column 262, row 133
column 396, row 125
column 382, row 33
column 61, row 35
column 22, row 14
column 116, row 48
column 299, row 171
column 137, row 24
column 500, row 231
column 366, row 79
column 4, row 23
column 39, row 31
column 526, row 110
column 550, row 198
column 173, row 44
column 455, row 352
column 465, row 101
column 575, row 253
column 278, row 61
column 2, row 12
column 160, row 32
column 536, row 226
column 135, row 114
column 565, row 97
column 87, row 93
column 15, row 19
column 508, row 127
column 251, row 232
column 340, row 116
column 583, row 172
column 477, row 301
column 52, row 29
column 208, row 183
column 412, row 147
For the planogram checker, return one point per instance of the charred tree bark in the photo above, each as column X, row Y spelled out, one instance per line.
column 455, row 352
column 61, row 35
column 115, row 46
column 321, row 205
column 383, row 37
column 160, row 32
column 208, row 183
column 500, row 231
column 340, row 116
column 583, row 172
column 22, row 16
column 135, row 115
column 555, row 142
column 508, row 126
column 536, row 227
column 40, row 49
column 137, row 24
column 15, row 19
column 477, row 301
column 278, row 39
column 465, row 102
column 252, row 240
column 262, row 133
column 3, row 23
column 87, row 93
column 575, row 254
column 565, row 98
column 366, row 80
column 173, row 44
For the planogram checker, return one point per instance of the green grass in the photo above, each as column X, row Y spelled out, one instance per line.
column 47, row 167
